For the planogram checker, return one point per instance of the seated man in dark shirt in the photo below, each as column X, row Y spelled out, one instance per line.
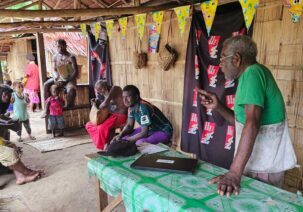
column 154, row 126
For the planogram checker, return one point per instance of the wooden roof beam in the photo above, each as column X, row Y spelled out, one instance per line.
column 99, row 3
column 47, row 5
column 38, row 30
column 57, row 4
column 45, row 23
column 9, row 3
column 83, row 12
column 113, row 4
column 83, row 4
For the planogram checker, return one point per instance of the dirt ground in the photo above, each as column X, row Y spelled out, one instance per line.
column 66, row 185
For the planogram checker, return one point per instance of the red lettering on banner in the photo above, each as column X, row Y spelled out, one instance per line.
column 212, row 73
column 229, row 139
column 230, row 101
column 213, row 43
column 193, row 124
column 208, row 132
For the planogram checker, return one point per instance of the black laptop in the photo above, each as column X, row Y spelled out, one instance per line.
column 165, row 163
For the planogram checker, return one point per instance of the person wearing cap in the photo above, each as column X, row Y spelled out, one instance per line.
column 32, row 82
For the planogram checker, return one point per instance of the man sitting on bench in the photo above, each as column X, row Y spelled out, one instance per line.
column 154, row 126
column 64, row 74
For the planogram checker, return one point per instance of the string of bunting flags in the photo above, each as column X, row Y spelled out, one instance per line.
column 208, row 9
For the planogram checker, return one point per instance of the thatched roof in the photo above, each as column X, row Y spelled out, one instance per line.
column 76, row 43
column 66, row 15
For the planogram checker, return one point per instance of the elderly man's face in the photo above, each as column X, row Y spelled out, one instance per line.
column 228, row 66
column 101, row 90
column 61, row 47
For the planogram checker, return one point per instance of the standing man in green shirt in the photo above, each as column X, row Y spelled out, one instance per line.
column 154, row 126
column 263, row 149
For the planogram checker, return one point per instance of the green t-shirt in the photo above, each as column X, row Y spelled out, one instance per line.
column 149, row 115
column 257, row 87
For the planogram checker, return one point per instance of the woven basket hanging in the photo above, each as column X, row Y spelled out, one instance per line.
column 139, row 58
column 167, row 55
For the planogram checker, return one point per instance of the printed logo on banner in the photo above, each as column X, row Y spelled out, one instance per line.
column 212, row 73
column 229, row 83
column 209, row 112
column 193, row 124
column 230, row 101
column 213, row 43
column 197, row 70
column 208, row 132
column 195, row 98
column 229, row 139
column 241, row 32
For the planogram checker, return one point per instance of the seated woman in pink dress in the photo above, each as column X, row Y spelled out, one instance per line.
column 107, row 97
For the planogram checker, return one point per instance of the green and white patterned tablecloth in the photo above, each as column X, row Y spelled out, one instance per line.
column 170, row 192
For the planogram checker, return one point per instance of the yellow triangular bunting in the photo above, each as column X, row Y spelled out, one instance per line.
column 208, row 9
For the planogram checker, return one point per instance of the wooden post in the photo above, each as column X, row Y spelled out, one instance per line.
column 41, row 64
column 102, row 197
column 1, row 75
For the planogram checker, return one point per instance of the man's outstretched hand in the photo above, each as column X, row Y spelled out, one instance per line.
column 227, row 184
column 208, row 99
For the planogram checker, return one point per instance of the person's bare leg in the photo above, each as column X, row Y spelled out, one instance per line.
column 20, row 167
column 21, row 178
column 70, row 98
column 31, row 106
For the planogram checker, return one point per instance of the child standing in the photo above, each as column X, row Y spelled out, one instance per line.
column 54, row 108
column 20, row 101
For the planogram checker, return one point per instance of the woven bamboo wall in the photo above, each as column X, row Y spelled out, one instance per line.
column 16, row 58
column 280, row 45
column 162, row 88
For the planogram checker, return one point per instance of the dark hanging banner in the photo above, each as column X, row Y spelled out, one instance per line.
column 99, row 67
column 204, row 132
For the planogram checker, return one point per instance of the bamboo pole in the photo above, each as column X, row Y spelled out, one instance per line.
column 83, row 12
column 44, row 23
column 38, row 30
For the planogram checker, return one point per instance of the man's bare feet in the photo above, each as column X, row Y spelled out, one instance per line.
column 22, row 179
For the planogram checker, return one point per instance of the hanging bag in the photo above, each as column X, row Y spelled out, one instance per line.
column 167, row 55
column 139, row 58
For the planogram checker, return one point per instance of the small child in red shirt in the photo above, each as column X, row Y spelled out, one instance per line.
column 54, row 109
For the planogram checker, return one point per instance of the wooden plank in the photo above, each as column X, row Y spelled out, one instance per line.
column 101, row 197
column 83, row 12
column 41, row 64
column 13, row 32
